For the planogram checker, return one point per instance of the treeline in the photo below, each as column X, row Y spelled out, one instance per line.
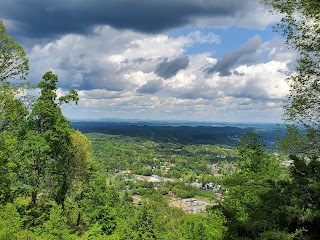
column 227, row 135
column 117, row 153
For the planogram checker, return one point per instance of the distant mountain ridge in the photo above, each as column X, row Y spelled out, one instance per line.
column 182, row 132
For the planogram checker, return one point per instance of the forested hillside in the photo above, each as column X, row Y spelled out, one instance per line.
column 171, row 183
column 183, row 134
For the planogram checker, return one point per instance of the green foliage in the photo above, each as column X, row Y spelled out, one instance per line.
column 94, row 233
column 254, row 160
column 35, row 168
column 12, row 119
column 299, row 141
column 34, row 216
column 304, row 194
column 13, row 61
column 47, row 120
column 145, row 225
column 106, row 218
column 12, row 109
column 276, row 235
column 80, row 167
column 199, row 227
column 252, row 201
column 8, row 157
column 10, row 222
column 184, row 191
column 82, row 201
column 81, row 162
column 55, row 227
column 144, row 157
column 251, row 152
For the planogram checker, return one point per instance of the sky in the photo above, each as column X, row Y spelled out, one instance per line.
column 194, row 60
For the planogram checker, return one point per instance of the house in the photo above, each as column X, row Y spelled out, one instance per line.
column 287, row 163
column 214, row 168
column 154, row 179
column 218, row 196
column 196, row 184
column 216, row 188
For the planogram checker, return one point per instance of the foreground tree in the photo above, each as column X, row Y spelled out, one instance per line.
column 12, row 119
column 13, row 65
column 252, row 201
column 303, row 193
column 13, row 61
column 301, row 27
column 46, row 123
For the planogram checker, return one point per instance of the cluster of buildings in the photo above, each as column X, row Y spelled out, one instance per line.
column 153, row 179
column 188, row 205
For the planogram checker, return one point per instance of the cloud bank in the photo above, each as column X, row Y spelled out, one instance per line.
column 125, row 60
column 47, row 19
column 137, row 74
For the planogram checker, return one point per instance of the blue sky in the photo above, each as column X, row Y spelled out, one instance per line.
column 197, row 60
column 231, row 38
